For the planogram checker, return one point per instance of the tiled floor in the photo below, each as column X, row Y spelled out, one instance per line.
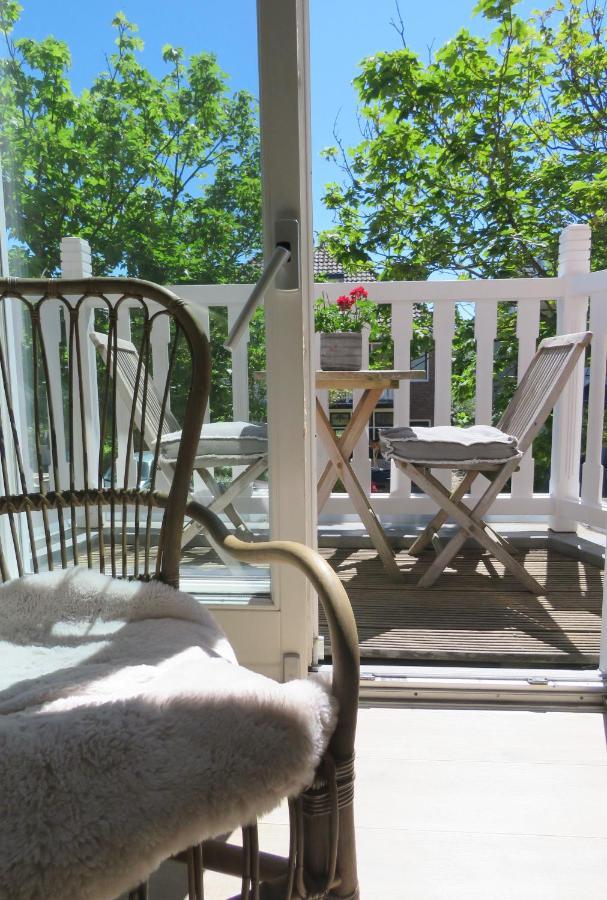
column 482, row 804
column 470, row 805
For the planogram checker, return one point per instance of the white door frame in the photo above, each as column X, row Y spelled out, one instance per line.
column 283, row 635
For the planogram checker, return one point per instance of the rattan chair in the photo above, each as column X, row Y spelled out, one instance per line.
column 482, row 450
column 59, row 438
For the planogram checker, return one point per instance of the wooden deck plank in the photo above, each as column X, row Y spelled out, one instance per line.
column 476, row 612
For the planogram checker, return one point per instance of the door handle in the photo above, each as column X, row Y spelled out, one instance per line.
column 283, row 266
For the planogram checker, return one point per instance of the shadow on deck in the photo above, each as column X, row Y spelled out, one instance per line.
column 475, row 613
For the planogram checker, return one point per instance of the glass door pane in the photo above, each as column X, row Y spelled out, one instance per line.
column 154, row 130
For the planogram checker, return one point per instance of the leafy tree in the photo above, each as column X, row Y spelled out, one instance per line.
column 474, row 161
column 160, row 175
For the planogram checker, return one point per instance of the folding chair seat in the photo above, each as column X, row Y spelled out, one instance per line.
column 129, row 733
column 482, row 449
column 233, row 444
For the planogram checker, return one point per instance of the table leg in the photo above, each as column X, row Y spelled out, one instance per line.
column 342, row 469
column 348, row 440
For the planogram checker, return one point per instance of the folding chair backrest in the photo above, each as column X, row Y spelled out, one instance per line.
column 541, row 385
column 127, row 366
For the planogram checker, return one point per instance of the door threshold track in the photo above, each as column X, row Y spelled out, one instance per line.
column 483, row 688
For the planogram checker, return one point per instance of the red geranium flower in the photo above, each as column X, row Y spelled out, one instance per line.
column 345, row 303
column 358, row 293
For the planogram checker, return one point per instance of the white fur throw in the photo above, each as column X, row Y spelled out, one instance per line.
column 129, row 733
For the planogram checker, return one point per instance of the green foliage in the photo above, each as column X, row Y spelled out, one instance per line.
column 160, row 175
column 474, row 161
column 257, row 363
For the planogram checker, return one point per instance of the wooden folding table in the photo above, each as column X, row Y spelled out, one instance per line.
column 372, row 384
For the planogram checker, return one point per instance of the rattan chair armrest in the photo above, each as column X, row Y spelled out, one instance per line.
column 335, row 602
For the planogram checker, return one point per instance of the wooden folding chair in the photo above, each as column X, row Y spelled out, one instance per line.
column 254, row 465
column 523, row 418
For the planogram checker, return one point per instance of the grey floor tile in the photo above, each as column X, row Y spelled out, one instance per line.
column 499, row 735
column 466, row 805
column 482, row 797
column 404, row 865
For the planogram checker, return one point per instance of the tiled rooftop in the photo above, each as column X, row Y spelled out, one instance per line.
column 327, row 265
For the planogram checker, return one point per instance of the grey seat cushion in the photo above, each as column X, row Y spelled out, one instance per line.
column 448, row 444
column 128, row 733
column 221, row 440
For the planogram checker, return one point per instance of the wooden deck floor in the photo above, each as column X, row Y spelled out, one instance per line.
column 474, row 613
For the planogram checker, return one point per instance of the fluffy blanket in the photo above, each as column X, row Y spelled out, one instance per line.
column 128, row 732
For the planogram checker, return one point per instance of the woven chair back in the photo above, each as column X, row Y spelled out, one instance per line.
column 78, row 484
column 541, row 386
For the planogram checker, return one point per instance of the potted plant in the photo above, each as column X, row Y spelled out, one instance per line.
column 340, row 325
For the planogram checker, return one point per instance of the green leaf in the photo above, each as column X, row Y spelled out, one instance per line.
column 495, row 9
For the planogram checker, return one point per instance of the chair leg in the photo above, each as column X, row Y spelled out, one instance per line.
column 140, row 893
column 216, row 490
column 226, row 497
column 194, row 864
column 432, row 528
column 250, row 872
column 455, row 545
column 431, row 532
column 471, row 525
column 506, row 544
column 326, row 822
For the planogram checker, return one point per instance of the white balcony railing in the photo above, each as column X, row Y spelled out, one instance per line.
column 580, row 296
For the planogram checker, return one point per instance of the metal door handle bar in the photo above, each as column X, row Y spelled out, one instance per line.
column 280, row 256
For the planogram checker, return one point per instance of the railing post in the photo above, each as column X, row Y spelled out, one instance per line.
column 593, row 470
column 11, row 330
column 240, row 372
column 75, row 258
column 76, row 263
column 322, row 457
column 572, row 313
column 443, row 330
column 50, row 321
column 240, row 383
column 402, row 333
column 527, row 331
column 205, row 318
column 360, row 458
column 603, row 653
column 485, row 333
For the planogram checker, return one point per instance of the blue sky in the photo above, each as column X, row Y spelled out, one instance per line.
column 343, row 32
